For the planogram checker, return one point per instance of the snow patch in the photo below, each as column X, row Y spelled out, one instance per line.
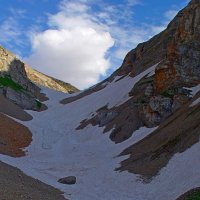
column 196, row 102
column 194, row 90
column 59, row 150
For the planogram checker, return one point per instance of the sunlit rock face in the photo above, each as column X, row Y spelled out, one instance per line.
column 14, row 83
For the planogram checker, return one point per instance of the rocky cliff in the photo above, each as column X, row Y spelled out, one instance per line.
column 14, row 84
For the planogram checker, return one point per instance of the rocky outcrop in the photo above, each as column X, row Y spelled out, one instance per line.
column 175, row 135
column 18, row 82
column 21, row 99
column 181, row 66
column 122, row 121
column 14, row 83
column 9, row 108
column 12, row 66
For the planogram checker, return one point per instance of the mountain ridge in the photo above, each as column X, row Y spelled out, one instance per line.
column 48, row 81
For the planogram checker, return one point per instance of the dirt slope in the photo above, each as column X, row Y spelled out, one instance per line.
column 14, row 185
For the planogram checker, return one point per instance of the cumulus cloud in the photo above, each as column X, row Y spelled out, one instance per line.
column 74, row 48
column 82, row 34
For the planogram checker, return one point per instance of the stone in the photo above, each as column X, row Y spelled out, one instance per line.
column 14, row 69
column 27, row 102
column 105, row 117
column 69, row 180
column 149, row 90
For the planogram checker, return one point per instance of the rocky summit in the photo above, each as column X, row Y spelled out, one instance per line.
column 134, row 135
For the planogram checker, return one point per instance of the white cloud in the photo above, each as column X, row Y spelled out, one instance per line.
column 11, row 32
column 133, row 2
column 170, row 14
column 75, row 46
column 74, row 49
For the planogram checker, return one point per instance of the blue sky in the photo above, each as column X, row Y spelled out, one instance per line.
column 81, row 41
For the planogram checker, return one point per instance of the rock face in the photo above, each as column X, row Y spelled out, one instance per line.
column 21, row 99
column 14, row 83
column 176, row 134
column 10, row 65
column 176, row 49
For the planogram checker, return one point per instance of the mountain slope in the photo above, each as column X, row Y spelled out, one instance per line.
column 149, row 113
column 50, row 82
column 16, row 185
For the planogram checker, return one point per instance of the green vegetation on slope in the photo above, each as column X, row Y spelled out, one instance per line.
column 39, row 104
column 6, row 81
column 195, row 195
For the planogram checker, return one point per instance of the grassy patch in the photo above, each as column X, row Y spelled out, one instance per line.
column 39, row 104
column 193, row 196
column 6, row 81
column 145, row 80
column 142, row 100
column 170, row 92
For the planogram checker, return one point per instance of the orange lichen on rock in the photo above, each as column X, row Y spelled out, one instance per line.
column 171, row 51
column 13, row 137
column 181, row 32
column 149, row 109
column 165, row 76
column 160, row 80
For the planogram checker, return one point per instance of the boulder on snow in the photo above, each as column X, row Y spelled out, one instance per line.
column 69, row 180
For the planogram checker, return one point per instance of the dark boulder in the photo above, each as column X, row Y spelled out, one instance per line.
column 69, row 180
